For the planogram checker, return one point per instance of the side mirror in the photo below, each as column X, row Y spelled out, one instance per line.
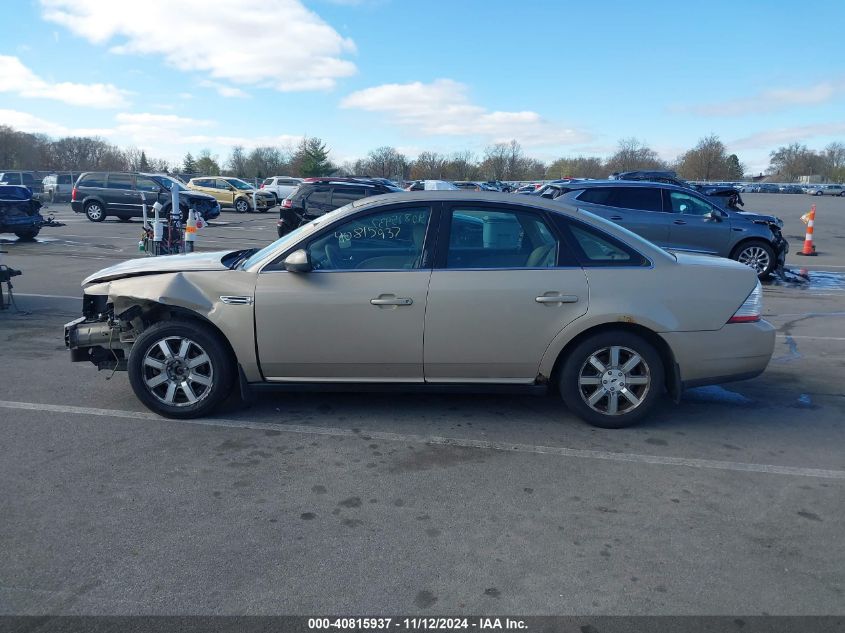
column 716, row 215
column 298, row 262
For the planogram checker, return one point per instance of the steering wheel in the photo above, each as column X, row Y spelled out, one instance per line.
column 333, row 256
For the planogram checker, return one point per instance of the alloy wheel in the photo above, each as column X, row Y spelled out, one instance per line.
column 756, row 257
column 178, row 371
column 614, row 380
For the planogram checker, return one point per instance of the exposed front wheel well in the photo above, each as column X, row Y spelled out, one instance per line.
column 672, row 377
column 156, row 312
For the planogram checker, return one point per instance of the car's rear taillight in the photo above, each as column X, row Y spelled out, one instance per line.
column 751, row 309
column 288, row 203
column 262, row 186
column 73, row 195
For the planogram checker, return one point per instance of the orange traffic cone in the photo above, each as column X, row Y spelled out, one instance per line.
column 809, row 248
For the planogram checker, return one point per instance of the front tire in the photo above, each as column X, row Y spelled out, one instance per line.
column 95, row 212
column 758, row 255
column 241, row 205
column 27, row 234
column 180, row 369
column 612, row 379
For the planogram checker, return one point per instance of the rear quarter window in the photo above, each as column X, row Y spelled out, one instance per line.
column 92, row 180
column 595, row 248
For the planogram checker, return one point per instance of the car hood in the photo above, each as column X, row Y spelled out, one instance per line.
column 191, row 193
column 162, row 264
column 760, row 218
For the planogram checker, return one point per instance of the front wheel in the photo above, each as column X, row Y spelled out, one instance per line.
column 758, row 255
column 180, row 369
column 612, row 379
column 26, row 235
column 241, row 205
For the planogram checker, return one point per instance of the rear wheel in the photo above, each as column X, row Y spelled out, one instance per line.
column 758, row 255
column 94, row 211
column 612, row 379
column 180, row 369
column 241, row 205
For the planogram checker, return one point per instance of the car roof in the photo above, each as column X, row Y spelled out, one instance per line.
column 589, row 184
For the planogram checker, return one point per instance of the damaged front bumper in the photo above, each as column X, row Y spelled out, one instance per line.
column 99, row 337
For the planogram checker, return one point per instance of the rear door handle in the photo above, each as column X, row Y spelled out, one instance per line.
column 395, row 301
column 679, row 222
column 557, row 299
column 616, row 217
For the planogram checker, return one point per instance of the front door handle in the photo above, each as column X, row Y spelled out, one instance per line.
column 679, row 222
column 557, row 299
column 616, row 217
column 394, row 301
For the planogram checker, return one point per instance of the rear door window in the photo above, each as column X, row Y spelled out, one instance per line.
column 119, row 181
column 499, row 238
column 64, row 179
column 638, row 198
column 344, row 195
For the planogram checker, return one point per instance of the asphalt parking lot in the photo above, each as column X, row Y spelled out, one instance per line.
column 731, row 502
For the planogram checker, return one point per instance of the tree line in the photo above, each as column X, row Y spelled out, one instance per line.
column 708, row 160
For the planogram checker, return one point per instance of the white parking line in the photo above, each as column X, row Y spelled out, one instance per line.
column 709, row 464
column 24, row 294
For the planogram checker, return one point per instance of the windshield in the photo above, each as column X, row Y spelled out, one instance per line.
column 291, row 237
column 273, row 246
column 238, row 184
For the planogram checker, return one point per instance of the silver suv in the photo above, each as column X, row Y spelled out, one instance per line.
column 680, row 219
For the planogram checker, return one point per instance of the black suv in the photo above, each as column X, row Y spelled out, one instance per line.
column 679, row 218
column 317, row 196
column 101, row 194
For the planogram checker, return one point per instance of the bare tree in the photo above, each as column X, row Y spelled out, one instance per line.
column 428, row 166
column 576, row 167
column 633, row 154
column 386, row 162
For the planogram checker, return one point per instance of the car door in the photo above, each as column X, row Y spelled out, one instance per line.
column 504, row 285
column 638, row 209
column 223, row 191
column 119, row 195
column 152, row 191
column 693, row 228
column 359, row 314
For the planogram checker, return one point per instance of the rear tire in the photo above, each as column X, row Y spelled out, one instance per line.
column 758, row 255
column 612, row 379
column 190, row 379
column 95, row 212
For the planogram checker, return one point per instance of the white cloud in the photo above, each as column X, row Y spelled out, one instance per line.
column 268, row 43
column 26, row 122
column 769, row 100
column 785, row 135
column 224, row 90
column 15, row 77
column 443, row 108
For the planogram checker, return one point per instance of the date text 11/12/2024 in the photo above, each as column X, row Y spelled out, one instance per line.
column 417, row 624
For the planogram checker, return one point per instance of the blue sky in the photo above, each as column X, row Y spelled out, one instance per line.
column 563, row 78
